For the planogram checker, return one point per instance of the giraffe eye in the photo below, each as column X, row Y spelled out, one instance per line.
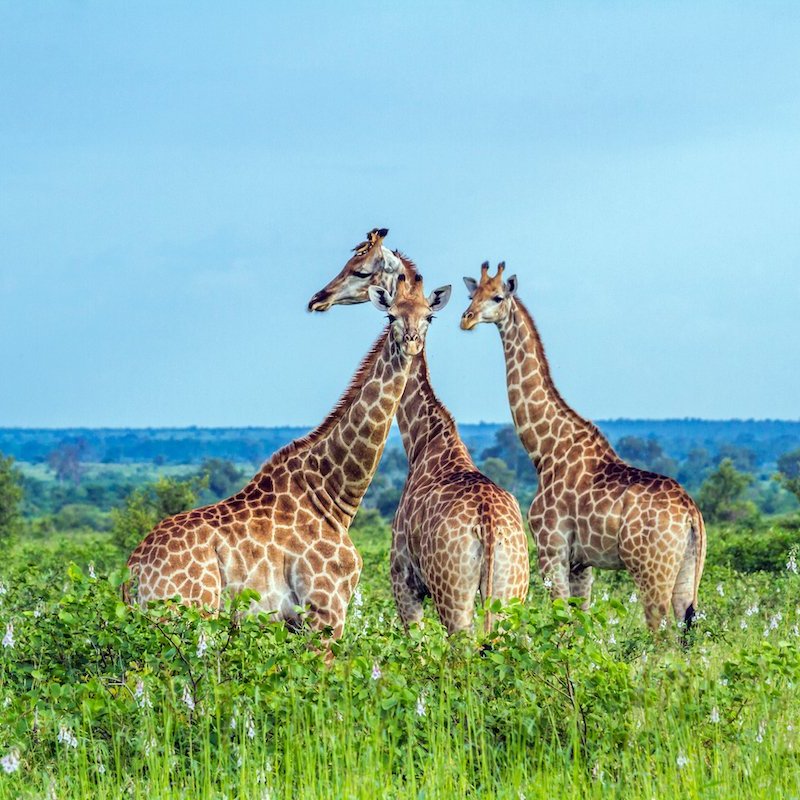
column 362, row 274
column 498, row 298
column 429, row 318
column 391, row 318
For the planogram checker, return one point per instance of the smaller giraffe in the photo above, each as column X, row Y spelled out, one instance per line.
column 455, row 533
column 591, row 508
column 285, row 534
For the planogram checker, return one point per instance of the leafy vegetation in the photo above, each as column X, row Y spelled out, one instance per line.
column 102, row 700
column 10, row 496
column 98, row 699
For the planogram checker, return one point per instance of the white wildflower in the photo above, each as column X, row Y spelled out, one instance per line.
column 382, row 620
column 796, row 630
column 752, row 610
column 232, row 726
column 613, row 620
column 723, row 681
column 634, row 598
column 720, row 590
column 762, row 729
column 376, row 672
column 597, row 773
column 141, row 696
column 663, row 624
column 604, row 598
column 251, row 727
column 92, row 573
column 38, row 611
column 3, row 589
column 67, row 737
column 187, row 698
column 10, row 761
column 339, row 716
column 714, row 715
column 202, row 644
column 791, row 562
column 775, row 620
column 8, row 639
column 611, row 638
column 547, row 583
column 101, row 768
column 421, row 706
column 699, row 616
column 743, row 625
column 682, row 760
column 358, row 598
column 268, row 765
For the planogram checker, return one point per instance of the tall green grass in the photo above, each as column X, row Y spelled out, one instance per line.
column 96, row 699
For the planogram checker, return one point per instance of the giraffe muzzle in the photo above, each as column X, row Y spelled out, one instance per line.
column 412, row 343
column 468, row 321
column 320, row 301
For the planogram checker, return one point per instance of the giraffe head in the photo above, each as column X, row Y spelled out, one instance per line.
column 409, row 311
column 490, row 297
column 372, row 264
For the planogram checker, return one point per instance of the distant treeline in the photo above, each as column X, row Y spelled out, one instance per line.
column 765, row 439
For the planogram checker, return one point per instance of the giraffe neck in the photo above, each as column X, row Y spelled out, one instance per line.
column 335, row 463
column 543, row 419
column 422, row 418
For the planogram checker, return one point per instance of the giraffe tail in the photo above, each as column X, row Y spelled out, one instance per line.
column 488, row 550
column 698, row 542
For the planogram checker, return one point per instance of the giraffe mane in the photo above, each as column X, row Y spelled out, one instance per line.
column 336, row 413
column 584, row 423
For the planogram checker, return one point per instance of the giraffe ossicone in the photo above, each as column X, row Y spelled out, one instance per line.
column 285, row 534
column 455, row 533
column 591, row 508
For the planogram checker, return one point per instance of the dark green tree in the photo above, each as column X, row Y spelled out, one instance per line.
column 10, row 496
column 789, row 472
column 497, row 470
column 223, row 477
column 721, row 497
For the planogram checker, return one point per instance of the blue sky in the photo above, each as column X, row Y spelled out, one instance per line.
column 176, row 180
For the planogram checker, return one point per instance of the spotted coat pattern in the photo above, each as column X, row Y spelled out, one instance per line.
column 286, row 533
column 455, row 532
column 591, row 508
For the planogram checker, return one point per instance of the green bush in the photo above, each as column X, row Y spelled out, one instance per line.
column 147, row 506
column 764, row 547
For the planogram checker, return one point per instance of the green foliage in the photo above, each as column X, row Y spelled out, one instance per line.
column 720, row 496
column 102, row 700
column 148, row 505
column 224, row 478
column 789, row 472
column 750, row 549
column 646, row 454
column 10, row 497
column 498, row 471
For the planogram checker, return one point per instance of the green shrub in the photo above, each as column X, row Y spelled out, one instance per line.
column 147, row 506
column 749, row 550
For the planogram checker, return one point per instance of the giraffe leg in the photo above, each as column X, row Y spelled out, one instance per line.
column 407, row 587
column 453, row 576
column 580, row 584
column 510, row 571
column 554, row 562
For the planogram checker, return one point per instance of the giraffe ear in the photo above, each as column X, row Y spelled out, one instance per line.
column 380, row 298
column 472, row 286
column 439, row 297
column 511, row 285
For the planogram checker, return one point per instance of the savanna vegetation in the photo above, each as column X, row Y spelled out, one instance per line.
column 101, row 700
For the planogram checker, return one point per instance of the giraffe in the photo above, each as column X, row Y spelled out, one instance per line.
column 285, row 534
column 455, row 533
column 591, row 508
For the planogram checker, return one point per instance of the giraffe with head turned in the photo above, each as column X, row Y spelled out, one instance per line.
column 455, row 533
column 591, row 508
column 285, row 534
